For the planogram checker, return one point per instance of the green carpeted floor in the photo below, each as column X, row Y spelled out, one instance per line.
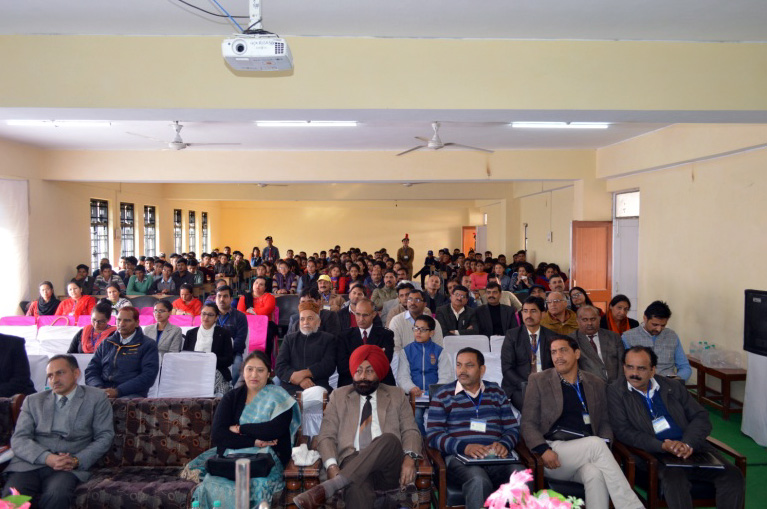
column 756, row 471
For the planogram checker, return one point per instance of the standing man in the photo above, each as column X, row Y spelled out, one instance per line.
column 405, row 256
column 270, row 253
column 658, row 415
column 558, row 318
column 368, row 440
column 653, row 333
column 125, row 365
column 455, row 318
column 366, row 332
column 601, row 349
column 473, row 418
column 567, row 401
column 236, row 323
column 525, row 350
column 59, row 435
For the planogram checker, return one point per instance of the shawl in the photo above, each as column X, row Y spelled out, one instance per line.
column 91, row 338
column 621, row 327
column 47, row 308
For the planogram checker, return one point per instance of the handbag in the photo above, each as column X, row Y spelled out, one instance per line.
column 224, row 466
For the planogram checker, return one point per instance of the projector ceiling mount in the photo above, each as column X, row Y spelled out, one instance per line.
column 436, row 143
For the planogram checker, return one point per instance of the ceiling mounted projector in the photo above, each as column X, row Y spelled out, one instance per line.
column 256, row 49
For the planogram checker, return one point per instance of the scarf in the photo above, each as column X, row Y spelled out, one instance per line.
column 621, row 327
column 47, row 308
column 91, row 338
column 204, row 339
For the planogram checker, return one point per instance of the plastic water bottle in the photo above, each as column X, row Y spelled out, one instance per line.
column 216, row 504
column 195, row 504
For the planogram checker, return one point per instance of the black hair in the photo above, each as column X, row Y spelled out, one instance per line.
column 493, row 284
column 165, row 304
column 105, row 266
column 403, row 285
column 48, row 284
column 468, row 349
column 430, row 323
column 71, row 360
column 646, row 349
column 460, row 288
column 537, row 301
column 620, row 298
column 312, row 292
column 82, row 266
column 570, row 341
column 416, row 290
column 213, row 306
column 225, row 288
column 658, row 309
column 104, row 307
column 140, row 268
column 186, row 286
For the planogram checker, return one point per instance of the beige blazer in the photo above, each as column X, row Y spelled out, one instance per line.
column 342, row 416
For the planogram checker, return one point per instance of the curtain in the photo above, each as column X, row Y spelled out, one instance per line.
column 14, row 244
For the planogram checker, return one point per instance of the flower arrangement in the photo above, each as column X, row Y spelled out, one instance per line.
column 15, row 501
column 516, row 495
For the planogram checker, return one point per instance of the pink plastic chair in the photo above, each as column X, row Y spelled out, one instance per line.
column 148, row 311
column 257, row 327
column 145, row 320
column 196, row 321
column 17, row 320
column 59, row 320
column 181, row 320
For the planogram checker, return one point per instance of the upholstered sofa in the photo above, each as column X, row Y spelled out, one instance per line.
column 154, row 439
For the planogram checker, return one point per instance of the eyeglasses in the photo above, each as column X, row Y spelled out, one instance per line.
column 160, row 311
column 421, row 329
column 554, row 301
column 460, row 296
column 208, row 315
column 98, row 322
column 417, row 301
column 576, row 294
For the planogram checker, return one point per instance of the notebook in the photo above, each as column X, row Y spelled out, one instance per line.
column 696, row 460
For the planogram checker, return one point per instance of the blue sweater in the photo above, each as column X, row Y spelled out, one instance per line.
column 449, row 424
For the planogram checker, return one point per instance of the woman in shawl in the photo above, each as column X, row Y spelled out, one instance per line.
column 616, row 319
column 256, row 417
column 46, row 304
column 77, row 304
column 90, row 337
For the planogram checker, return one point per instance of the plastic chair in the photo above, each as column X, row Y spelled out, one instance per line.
column 28, row 332
column 181, row 320
column 258, row 326
column 17, row 321
column 55, row 339
column 454, row 343
column 493, row 370
column 496, row 343
column 176, row 382
column 82, row 361
column 37, row 366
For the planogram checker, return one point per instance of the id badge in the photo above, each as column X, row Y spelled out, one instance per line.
column 660, row 425
column 479, row 425
column 586, row 418
column 326, row 306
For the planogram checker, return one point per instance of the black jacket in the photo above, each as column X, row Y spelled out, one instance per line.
column 222, row 347
column 485, row 322
column 345, row 318
column 466, row 319
column 316, row 352
column 632, row 424
column 328, row 322
column 350, row 339
column 14, row 367
column 515, row 360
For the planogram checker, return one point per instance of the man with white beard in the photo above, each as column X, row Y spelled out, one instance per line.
column 307, row 357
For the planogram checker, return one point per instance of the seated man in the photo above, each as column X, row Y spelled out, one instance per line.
column 285, row 281
column 224, row 268
column 525, row 350
column 475, row 419
column 653, row 332
column 197, row 275
column 388, row 292
column 494, row 318
column 434, row 295
column 236, row 323
column 564, row 401
column 105, row 277
column 164, row 284
column 307, row 357
column 328, row 319
column 346, row 317
column 59, row 436
column 86, row 281
column 181, row 276
column 130, row 266
column 328, row 298
column 403, row 323
column 557, row 317
column 364, row 333
column 394, row 307
column 187, row 304
column 601, row 349
column 557, row 284
column 455, row 318
column 14, row 367
column 139, row 283
column 368, row 440
column 126, row 363
column 473, row 296
column 658, row 415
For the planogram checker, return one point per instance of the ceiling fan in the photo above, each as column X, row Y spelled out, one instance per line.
column 435, row 143
column 177, row 143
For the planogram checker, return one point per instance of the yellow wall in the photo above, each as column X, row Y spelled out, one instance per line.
column 549, row 211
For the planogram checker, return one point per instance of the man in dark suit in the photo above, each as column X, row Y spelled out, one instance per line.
column 601, row 349
column 567, row 401
column 525, row 349
column 59, row 435
column 494, row 318
column 328, row 319
column 369, row 440
column 14, row 367
column 658, row 415
column 365, row 333
column 345, row 315
column 456, row 318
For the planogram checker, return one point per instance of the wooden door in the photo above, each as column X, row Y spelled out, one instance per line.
column 469, row 238
column 591, row 266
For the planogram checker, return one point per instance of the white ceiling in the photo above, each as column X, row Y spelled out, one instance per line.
column 694, row 20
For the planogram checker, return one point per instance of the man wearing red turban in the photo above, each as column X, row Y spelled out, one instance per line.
column 368, row 440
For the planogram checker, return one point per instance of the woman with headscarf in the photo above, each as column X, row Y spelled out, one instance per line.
column 46, row 304
column 616, row 319
column 90, row 337
column 77, row 304
column 256, row 417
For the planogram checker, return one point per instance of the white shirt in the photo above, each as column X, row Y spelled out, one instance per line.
column 204, row 339
column 654, row 386
column 125, row 341
column 595, row 338
column 375, row 427
column 363, row 331
column 456, row 313
column 537, row 333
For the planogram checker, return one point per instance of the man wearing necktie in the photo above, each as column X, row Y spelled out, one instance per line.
column 59, row 435
column 365, row 333
column 369, row 441
column 601, row 349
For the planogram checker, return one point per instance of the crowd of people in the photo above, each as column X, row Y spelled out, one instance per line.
column 574, row 377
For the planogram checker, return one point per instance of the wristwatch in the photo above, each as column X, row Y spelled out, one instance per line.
column 413, row 456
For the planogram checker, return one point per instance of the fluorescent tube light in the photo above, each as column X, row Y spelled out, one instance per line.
column 560, row 125
column 58, row 123
column 306, row 123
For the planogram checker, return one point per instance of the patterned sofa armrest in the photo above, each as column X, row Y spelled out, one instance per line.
column 299, row 479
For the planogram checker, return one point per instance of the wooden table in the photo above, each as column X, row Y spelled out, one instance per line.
column 718, row 399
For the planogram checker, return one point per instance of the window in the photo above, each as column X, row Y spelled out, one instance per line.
column 99, row 232
column 127, row 230
column 177, row 231
column 192, row 232
column 627, row 204
column 150, row 231
column 205, row 241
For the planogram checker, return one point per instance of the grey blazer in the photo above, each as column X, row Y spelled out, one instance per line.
column 90, row 435
column 609, row 367
column 171, row 339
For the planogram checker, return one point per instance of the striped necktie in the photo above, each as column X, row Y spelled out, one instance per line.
column 366, row 424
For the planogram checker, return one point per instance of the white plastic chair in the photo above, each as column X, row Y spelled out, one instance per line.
column 55, row 339
column 454, row 343
column 311, row 415
column 493, row 371
column 496, row 343
column 37, row 365
column 82, row 361
column 187, row 375
column 28, row 332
